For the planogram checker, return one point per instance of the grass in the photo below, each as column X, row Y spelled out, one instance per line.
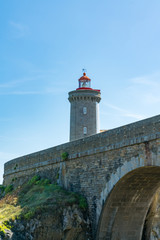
column 9, row 210
column 42, row 194
column 8, row 189
column 35, row 197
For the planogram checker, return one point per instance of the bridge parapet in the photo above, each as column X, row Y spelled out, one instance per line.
column 138, row 132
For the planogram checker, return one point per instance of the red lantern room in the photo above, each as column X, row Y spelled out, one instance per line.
column 84, row 82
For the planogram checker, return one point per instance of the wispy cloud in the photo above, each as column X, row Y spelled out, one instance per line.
column 143, row 81
column 22, row 93
column 137, row 101
column 20, row 81
column 152, row 80
column 13, row 139
column 124, row 112
column 43, row 92
column 19, row 30
column 36, row 84
column 146, row 88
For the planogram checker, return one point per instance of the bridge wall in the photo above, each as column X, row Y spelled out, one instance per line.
column 95, row 164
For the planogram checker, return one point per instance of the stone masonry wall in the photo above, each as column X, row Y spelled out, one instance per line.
column 95, row 164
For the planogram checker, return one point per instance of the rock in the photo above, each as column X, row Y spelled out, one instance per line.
column 67, row 224
column 20, row 227
column 8, row 234
column 72, row 217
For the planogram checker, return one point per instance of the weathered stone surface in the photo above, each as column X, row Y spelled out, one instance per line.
column 64, row 224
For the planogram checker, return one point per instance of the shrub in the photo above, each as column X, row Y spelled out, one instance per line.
column 7, row 224
column 65, row 155
column 15, row 166
column 82, row 203
column 2, row 234
column 39, row 209
column 2, row 188
column 14, row 179
column 46, row 181
column 43, row 182
column 34, row 180
column 2, row 231
column 8, row 189
column 57, row 176
column 29, row 214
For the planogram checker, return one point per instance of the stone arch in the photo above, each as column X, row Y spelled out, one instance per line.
column 127, row 167
column 124, row 212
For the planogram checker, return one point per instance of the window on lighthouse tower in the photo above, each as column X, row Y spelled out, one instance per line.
column 84, row 110
column 84, row 130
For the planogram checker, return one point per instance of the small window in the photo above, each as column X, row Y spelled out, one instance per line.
column 84, row 110
column 85, row 130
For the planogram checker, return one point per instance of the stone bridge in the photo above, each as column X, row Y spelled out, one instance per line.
column 118, row 171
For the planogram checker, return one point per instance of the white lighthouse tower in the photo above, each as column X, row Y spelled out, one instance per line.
column 84, row 113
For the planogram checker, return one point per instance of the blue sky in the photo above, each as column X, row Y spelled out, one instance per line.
column 43, row 47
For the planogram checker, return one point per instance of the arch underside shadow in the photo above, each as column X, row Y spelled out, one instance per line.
column 124, row 213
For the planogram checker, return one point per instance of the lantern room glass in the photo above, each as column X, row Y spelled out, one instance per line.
column 84, row 84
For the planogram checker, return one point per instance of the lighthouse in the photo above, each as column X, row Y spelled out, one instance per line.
column 84, row 109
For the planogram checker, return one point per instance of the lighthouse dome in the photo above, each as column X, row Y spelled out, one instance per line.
column 84, row 77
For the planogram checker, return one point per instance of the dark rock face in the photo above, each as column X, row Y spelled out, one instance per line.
column 63, row 224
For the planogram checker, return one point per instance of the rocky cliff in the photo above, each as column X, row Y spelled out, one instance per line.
column 40, row 210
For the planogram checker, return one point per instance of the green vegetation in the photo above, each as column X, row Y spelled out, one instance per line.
column 34, row 180
column 82, row 203
column 35, row 197
column 14, row 179
column 8, row 189
column 29, row 214
column 7, row 224
column 3, row 227
column 2, row 188
column 2, row 232
column 15, row 166
column 65, row 155
column 57, row 176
